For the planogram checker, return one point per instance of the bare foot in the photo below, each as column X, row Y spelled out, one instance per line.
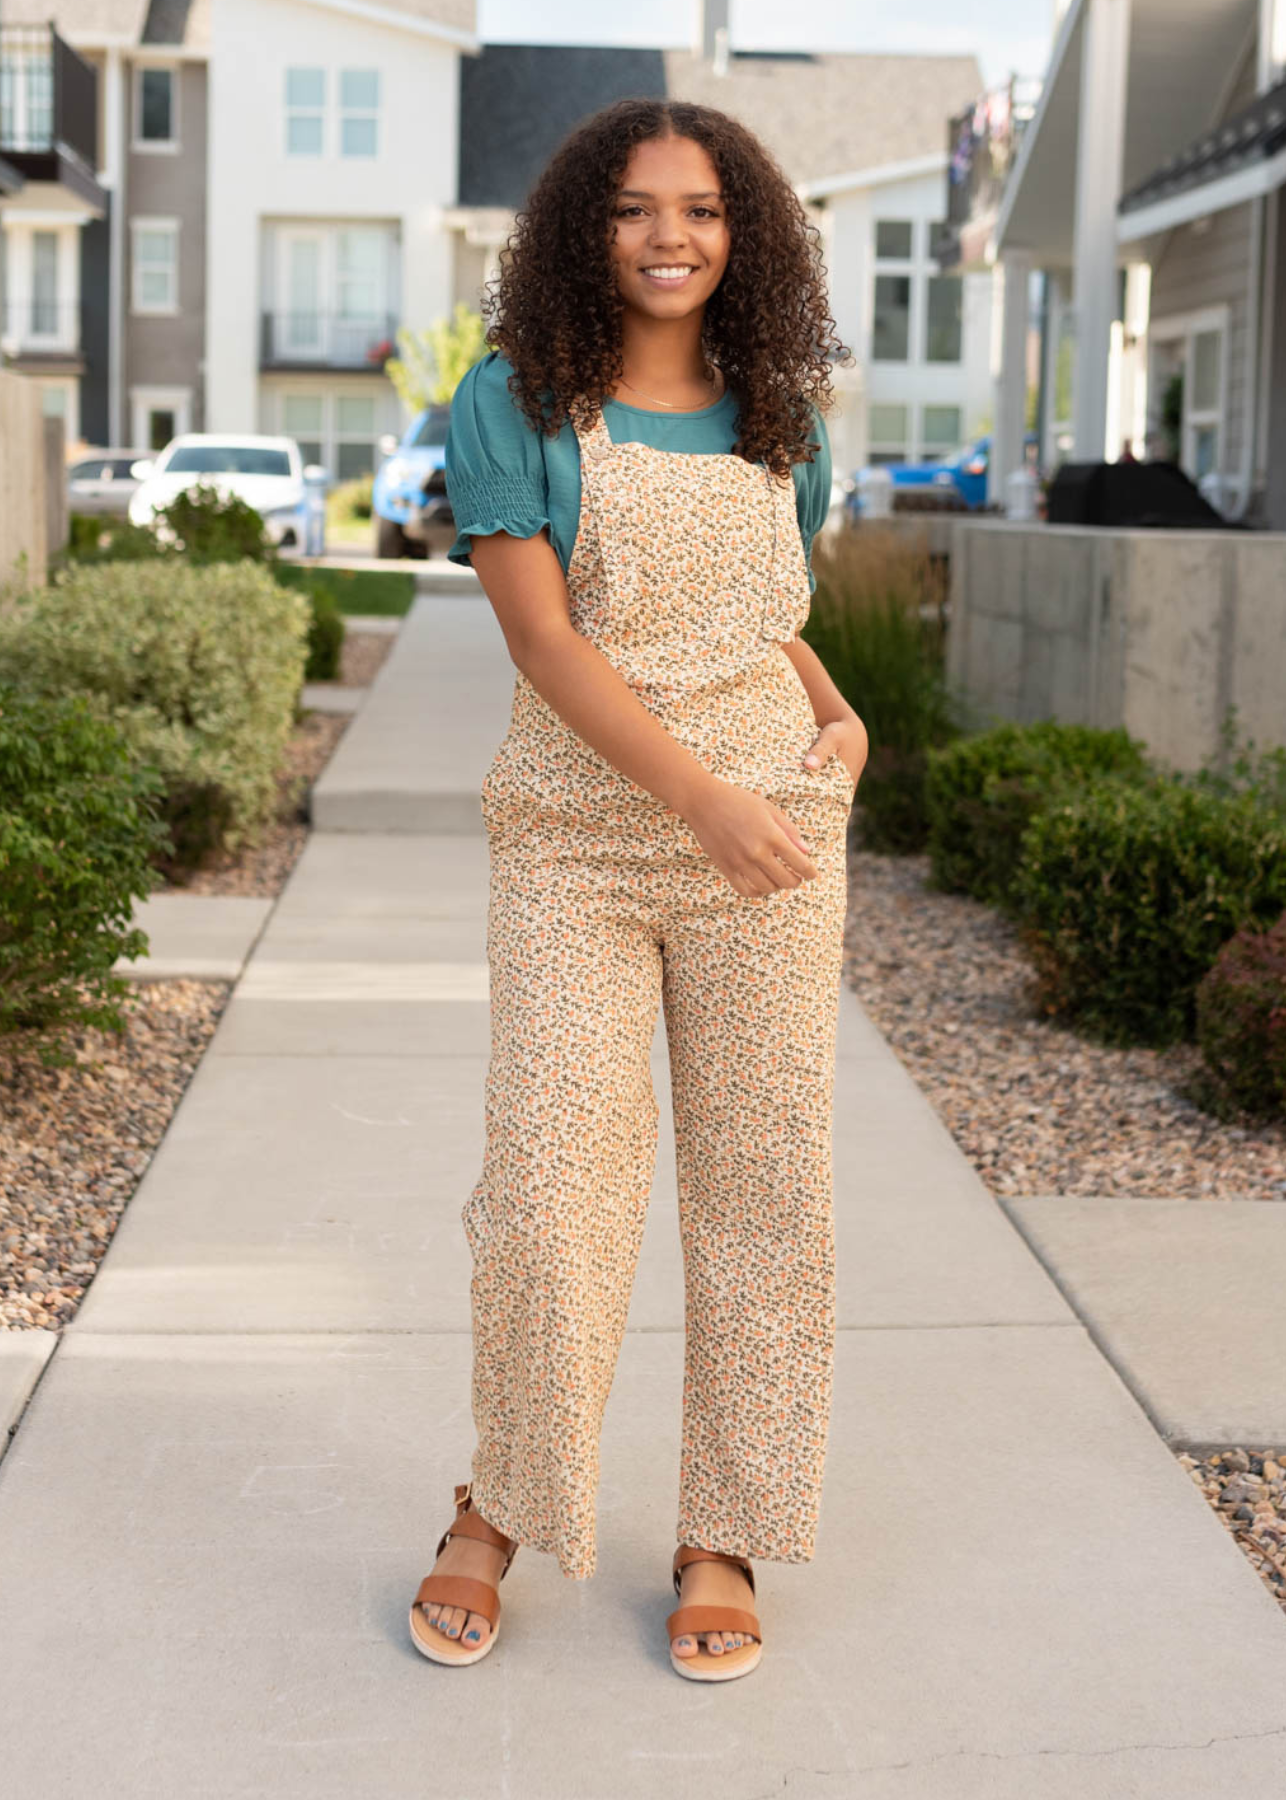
column 713, row 1584
column 480, row 1562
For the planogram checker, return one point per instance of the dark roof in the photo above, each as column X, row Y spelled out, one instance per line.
column 519, row 101
column 1253, row 135
column 818, row 114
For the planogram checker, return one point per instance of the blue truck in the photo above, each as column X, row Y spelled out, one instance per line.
column 409, row 497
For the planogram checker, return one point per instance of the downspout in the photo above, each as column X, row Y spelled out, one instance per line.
column 1253, row 312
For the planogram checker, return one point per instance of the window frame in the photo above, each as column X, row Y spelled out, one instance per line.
column 144, row 222
column 154, row 146
column 345, row 113
column 320, row 111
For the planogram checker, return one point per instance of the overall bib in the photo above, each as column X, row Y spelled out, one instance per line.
column 688, row 573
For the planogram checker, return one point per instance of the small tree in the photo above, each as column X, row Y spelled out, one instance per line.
column 430, row 363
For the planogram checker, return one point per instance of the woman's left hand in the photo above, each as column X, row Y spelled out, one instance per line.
column 845, row 737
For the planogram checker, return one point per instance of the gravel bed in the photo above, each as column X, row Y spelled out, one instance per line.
column 75, row 1141
column 1035, row 1108
column 363, row 657
column 1247, row 1490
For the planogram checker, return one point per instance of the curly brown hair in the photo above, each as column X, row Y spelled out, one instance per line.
column 556, row 309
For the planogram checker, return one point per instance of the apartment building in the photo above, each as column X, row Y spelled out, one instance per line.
column 50, row 200
column 334, row 131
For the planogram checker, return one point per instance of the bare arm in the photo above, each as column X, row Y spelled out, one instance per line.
column 841, row 729
column 754, row 844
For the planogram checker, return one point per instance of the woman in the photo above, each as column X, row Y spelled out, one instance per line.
column 635, row 468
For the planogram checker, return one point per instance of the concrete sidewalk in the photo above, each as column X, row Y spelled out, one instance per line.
column 232, row 1472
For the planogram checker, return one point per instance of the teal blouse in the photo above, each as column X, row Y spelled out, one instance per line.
column 502, row 475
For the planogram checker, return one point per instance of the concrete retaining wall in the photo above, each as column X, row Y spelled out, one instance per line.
column 1159, row 631
column 23, row 541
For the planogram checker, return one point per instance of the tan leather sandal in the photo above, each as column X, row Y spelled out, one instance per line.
column 460, row 1590
column 686, row 1621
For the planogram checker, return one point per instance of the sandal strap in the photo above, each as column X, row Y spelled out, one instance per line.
column 460, row 1590
column 690, row 1553
column 468, row 1522
column 687, row 1620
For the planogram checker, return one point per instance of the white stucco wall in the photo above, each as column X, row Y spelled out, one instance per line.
column 409, row 181
column 850, row 237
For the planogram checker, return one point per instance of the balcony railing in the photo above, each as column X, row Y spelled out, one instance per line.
column 982, row 146
column 40, row 327
column 327, row 340
column 48, row 96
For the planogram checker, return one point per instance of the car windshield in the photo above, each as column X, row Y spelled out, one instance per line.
column 227, row 459
column 433, row 429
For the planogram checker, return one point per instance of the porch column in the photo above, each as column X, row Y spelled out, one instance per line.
column 1010, row 404
column 1099, row 154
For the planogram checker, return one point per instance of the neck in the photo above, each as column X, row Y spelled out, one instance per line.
column 660, row 354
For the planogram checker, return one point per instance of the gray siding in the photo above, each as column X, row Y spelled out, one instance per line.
column 1211, row 267
column 170, row 352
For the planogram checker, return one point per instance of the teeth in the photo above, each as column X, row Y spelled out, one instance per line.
column 668, row 273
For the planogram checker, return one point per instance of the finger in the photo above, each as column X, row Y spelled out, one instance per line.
column 823, row 746
column 792, row 830
column 794, row 858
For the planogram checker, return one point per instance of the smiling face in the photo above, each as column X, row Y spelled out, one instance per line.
column 671, row 228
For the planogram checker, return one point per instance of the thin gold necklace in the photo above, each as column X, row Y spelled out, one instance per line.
column 630, row 385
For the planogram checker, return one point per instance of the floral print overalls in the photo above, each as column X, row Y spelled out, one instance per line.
column 688, row 573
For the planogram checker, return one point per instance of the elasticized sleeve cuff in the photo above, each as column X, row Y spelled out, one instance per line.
column 483, row 507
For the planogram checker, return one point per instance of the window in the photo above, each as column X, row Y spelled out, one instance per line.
column 893, row 239
column 359, row 109
column 1202, row 406
column 160, row 427
column 44, row 284
column 892, row 336
column 943, row 328
column 26, row 98
column 354, row 435
column 305, row 112
column 887, row 432
column 301, row 419
column 155, row 100
column 156, row 266
column 940, row 427
column 228, row 459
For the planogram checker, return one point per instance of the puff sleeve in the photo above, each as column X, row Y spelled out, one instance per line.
column 813, row 494
column 494, row 464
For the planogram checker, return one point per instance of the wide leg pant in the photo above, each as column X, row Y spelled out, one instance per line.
column 582, row 952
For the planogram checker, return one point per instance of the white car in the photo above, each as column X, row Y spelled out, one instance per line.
column 266, row 472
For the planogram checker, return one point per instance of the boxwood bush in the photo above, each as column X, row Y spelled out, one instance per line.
column 78, row 830
column 982, row 792
column 1241, row 1021
column 200, row 667
column 1128, row 891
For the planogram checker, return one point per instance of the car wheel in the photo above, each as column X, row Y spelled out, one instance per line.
column 390, row 539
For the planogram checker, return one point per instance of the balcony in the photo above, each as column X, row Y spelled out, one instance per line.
column 49, row 112
column 327, row 341
column 40, row 333
column 982, row 147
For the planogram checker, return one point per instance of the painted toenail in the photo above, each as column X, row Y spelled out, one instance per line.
column 471, row 1634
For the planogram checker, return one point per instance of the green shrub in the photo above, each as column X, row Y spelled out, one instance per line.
column 77, row 829
column 325, row 635
column 1128, row 891
column 200, row 667
column 350, row 504
column 876, row 622
column 1241, row 1020
column 982, row 792
column 209, row 526
column 99, row 539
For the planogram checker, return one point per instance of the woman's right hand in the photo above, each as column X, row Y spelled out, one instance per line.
column 749, row 839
